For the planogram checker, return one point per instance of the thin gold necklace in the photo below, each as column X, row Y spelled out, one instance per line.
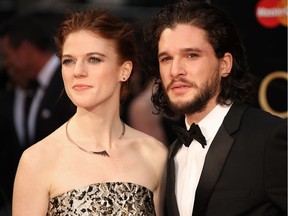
column 102, row 153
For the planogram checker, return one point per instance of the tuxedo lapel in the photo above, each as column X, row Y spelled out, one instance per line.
column 213, row 165
column 171, row 207
column 175, row 146
column 51, row 96
column 215, row 159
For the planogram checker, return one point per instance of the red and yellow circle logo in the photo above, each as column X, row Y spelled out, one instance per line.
column 272, row 13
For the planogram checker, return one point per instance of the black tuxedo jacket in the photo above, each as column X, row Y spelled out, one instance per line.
column 245, row 169
column 55, row 109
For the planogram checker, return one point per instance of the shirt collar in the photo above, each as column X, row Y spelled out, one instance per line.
column 210, row 124
column 47, row 71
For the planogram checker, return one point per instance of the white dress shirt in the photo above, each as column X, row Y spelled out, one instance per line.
column 44, row 77
column 189, row 161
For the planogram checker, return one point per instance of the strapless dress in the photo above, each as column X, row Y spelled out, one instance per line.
column 109, row 198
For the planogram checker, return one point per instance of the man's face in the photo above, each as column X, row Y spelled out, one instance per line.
column 16, row 61
column 189, row 69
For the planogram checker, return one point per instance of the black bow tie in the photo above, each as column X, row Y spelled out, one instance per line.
column 187, row 136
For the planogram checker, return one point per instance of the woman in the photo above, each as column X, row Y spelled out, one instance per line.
column 94, row 164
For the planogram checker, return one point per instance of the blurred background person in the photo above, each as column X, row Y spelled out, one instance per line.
column 35, row 104
column 141, row 115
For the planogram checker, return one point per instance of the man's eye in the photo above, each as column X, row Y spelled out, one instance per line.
column 164, row 59
column 94, row 59
column 192, row 55
column 67, row 61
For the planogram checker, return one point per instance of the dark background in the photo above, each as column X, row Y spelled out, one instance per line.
column 266, row 47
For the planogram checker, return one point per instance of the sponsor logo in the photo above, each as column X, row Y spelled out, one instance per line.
column 272, row 13
column 262, row 96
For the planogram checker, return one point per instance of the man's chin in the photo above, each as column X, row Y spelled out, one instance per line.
column 179, row 107
column 182, row 108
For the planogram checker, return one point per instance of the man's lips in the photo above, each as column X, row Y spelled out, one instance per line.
column 177, row 85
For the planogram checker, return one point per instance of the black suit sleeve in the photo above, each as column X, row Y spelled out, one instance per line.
column 275, row 167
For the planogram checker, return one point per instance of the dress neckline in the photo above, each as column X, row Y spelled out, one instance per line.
column 83, row 188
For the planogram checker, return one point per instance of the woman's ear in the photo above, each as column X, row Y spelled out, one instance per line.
column 126, row 70
column 226, row 64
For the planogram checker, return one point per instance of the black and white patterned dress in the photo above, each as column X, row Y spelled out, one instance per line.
column 110, row 198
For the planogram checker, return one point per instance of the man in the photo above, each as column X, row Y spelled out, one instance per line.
column 239, row 167
column 28, row 51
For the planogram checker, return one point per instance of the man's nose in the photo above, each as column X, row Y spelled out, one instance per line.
column 177, row 68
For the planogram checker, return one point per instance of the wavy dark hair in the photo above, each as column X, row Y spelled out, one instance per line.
column 102, row 22
column 221, row 34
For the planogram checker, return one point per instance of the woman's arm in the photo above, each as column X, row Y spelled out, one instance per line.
column 30, row 195
column 159, row 193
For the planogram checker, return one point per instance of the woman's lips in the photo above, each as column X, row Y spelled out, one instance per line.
column 81, row 87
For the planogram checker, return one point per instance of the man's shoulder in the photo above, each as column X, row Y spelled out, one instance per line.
column 255, row 115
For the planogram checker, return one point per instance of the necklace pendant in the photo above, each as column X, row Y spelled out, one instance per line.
column 102, row 153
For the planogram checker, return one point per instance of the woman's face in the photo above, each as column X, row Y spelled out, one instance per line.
column 91, row 70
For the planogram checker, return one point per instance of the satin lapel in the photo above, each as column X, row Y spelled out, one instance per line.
column 171, row 207
column 213, row 165
column 52, row 93
column 216, row 157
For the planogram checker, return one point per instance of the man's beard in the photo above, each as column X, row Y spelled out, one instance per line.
column 199, row 102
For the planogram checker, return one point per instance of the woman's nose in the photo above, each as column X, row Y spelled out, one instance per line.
column 80, row 69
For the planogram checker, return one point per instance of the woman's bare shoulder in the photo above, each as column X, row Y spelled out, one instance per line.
column 147, row 143
column 45, row 150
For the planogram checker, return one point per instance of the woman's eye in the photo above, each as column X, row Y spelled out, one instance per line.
column 67, row 61
column 94, row 59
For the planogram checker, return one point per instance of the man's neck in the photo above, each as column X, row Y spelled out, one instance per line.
column 198, row 116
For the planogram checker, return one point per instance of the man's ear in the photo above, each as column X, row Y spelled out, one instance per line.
column 126, row 70
column 226, row 64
